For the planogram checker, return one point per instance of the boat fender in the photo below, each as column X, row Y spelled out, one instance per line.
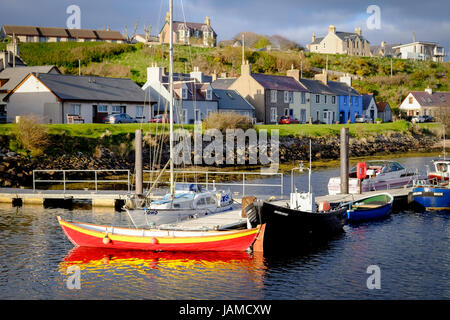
column 154, row 241
column 324, row 206
column 106, row 239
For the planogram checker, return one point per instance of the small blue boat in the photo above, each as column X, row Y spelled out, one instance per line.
column 371, row 208
column 432, row 197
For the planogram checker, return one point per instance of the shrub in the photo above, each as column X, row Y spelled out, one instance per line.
column 228, row 120
column 31, row 135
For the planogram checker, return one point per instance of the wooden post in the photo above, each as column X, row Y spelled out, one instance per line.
column 138, row 160
column 344, row 160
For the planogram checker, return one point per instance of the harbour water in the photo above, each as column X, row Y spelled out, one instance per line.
column 410, row 248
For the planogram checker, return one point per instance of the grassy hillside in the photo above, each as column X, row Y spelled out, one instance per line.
column 131, row 61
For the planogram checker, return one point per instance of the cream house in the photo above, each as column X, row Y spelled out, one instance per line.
column 426, row 103
column 338, row 42
column 421, row 50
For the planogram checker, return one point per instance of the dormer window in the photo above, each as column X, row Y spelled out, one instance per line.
column 208, row 94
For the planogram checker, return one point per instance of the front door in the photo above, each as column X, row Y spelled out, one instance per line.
column 98, row 114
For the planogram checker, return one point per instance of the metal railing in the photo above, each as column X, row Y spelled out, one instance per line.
column 199, row 177
column 65, row 180
column 207, row 180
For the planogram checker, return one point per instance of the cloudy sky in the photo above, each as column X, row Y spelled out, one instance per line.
column 294, row 19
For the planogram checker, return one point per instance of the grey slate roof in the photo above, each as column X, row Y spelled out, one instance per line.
column 315, row 86
column 232, row 100
column 342, row 89
column 16, row 75
column 278, row 82
column 223, row 83
column 90, row 88
column 437, row 98
column 366, row 100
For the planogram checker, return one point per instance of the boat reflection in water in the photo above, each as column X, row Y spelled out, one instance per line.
column 165, row 275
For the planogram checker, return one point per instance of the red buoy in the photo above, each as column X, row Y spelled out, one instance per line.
column 155, row 241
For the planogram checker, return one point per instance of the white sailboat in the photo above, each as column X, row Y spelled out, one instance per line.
column 184, row 201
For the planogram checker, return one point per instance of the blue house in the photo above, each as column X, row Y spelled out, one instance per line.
column 350, row 102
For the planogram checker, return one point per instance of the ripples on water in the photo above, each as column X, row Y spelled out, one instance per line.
column 410, row 248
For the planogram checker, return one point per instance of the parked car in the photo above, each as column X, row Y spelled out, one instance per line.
column 362, row 119
column 119, row 118
column 428, row 118
column 160, row 118
column 418, row 119
column 288, row 120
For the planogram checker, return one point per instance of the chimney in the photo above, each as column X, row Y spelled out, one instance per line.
column 246, row 68
column 313, row 37
column 346, row 79
column 331, row 29
column 294, row 73
column 207, row 21
column 429, row 90
column 155, row 73
column 323, row 77
column 197, row 75
column 358, row 31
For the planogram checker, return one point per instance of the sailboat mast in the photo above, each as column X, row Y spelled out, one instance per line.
column 309, row 177
column 172, row 191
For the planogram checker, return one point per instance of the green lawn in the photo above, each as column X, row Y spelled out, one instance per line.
column 95, row 130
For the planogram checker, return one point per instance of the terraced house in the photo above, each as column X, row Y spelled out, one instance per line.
column 272, row 96
column 50, row 34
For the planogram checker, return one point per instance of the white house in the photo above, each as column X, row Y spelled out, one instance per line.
column 421, row 50
column 57, row 98
column 425, row 103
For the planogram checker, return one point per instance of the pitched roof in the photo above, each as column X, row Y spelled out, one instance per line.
column 21, row 30
column 316, row 86
column 62, row 32
column 278, row 82
column 367, row 98
column 196, row 91
column 223, row 83
column 16, row 75
column 177, row 25
column 232, row 100
column 89, row 88
column 437, row 98
column 342, row 89
column 349, row 35
column 382, row 105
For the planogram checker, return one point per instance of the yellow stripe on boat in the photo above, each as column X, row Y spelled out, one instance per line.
column 161, row 240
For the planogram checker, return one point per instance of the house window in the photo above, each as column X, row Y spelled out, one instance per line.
column 291, row 97
column 75, row 109
column 325, row 97
column 208, row 94
column 273, row 114
column 303, row 97
column 198, row 115
column 333, row 99
column 410, row 100
column 286, row 97
column 317, row 98
column 42, row 39
column 184, row 94
column 115, row 109
column 273, row 96
column 345, row 100
column 139, row 111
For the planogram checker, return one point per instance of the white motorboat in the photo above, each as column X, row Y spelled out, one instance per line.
column 380, row 175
